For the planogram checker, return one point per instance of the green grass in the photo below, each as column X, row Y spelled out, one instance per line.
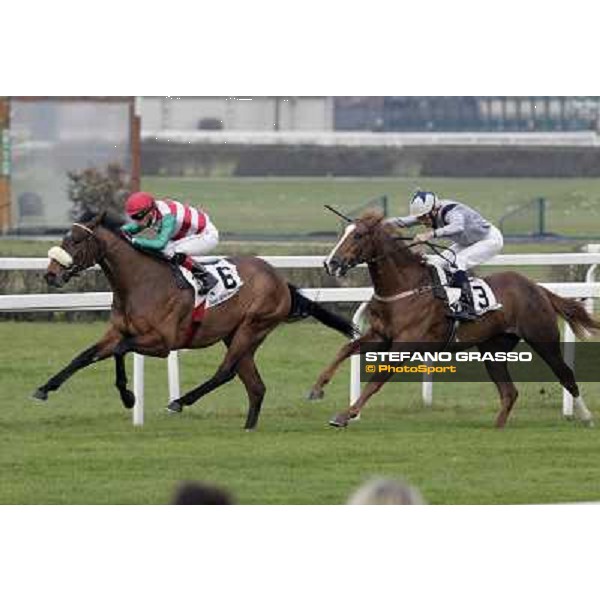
column 288, row 205
column 292, row 206
column 80, row 446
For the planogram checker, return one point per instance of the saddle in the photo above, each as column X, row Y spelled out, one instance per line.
column 228, row 284
column 484, row 299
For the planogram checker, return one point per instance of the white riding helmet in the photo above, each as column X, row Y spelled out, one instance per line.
column 422, row 203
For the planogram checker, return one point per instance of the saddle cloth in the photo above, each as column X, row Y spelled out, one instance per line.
column 228, row 285
column 484, row 299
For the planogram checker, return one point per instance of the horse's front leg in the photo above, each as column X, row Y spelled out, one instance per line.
column 103, row 349
column 342, row 419
column 347, row 350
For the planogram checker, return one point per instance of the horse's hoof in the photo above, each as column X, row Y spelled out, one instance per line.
column 128, row 399
column 174, row 407
column 315, row 394
column 338, row 421
column 40, row 394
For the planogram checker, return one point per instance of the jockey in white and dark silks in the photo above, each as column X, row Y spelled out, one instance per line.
column 182, row 231
column 475, row 239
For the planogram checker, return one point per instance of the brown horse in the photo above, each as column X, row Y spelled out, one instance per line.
column 151, row 315
column 404, row 309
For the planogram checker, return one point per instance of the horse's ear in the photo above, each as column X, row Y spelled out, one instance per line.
column 97, row 219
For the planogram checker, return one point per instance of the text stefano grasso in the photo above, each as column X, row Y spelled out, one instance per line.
column 448, row 356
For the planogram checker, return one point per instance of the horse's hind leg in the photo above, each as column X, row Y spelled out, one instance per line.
column 103, row 349
column 245, row 340
column 255, row 387
column 552, row 356
column 498, row 372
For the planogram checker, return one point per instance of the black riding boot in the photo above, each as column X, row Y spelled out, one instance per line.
column 467, row 307
column 206, row 279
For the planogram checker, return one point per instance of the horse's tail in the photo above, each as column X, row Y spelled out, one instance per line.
column 574, row 313
column 303, row 307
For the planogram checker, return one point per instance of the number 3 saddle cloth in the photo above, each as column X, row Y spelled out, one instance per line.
column 484, row 299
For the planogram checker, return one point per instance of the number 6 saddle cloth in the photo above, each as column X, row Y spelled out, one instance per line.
column 228, row 285
column 484, row 299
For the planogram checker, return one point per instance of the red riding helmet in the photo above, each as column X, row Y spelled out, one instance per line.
column 139, row 204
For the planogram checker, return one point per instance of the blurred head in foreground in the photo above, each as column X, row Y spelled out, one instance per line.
column 193, row 492
column 386, row 491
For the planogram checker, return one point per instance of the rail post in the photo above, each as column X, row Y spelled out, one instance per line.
column 427, row 389
column 173, row 368
column 590, row 276
column 359, row 320
column 569, row 358
column 138, row 389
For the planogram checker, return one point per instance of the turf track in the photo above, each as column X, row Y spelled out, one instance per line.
column 80, row 447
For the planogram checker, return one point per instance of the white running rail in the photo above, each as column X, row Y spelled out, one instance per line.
column 95, row 301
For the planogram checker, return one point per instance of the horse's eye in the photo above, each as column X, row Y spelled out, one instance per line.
column 358, row 236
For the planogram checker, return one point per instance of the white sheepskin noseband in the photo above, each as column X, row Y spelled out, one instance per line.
column 61, row 256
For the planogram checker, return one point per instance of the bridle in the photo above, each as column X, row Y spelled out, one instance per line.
column 75, row 270
column 408, row 293
column 84, row 227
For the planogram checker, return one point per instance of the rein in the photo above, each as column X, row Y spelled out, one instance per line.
column 434, row 247
column 416, row 291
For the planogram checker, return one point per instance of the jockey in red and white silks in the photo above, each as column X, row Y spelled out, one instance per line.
column 194, row 233
column 182, row 231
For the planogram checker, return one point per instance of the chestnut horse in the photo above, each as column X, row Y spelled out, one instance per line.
column 404, row 309
column 151, row 315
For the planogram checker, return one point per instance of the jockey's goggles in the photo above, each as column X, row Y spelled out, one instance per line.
column 138, row 216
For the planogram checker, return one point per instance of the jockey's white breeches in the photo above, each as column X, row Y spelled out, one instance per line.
column 468, row 257
column 195, row 245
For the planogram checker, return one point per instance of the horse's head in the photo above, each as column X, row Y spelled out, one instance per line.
column 79, row 250
column 360, row 242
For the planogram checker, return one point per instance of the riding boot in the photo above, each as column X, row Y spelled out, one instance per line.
column 467, row 307
column 206, row 279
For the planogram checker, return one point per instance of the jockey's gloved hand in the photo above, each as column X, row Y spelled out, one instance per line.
column 424, row 236
column 394, row 221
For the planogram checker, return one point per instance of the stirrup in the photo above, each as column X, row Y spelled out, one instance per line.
column 466, row 312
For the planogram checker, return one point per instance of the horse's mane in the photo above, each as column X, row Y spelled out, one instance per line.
column 113, row 223
column 110, row 220
column 371, row 217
